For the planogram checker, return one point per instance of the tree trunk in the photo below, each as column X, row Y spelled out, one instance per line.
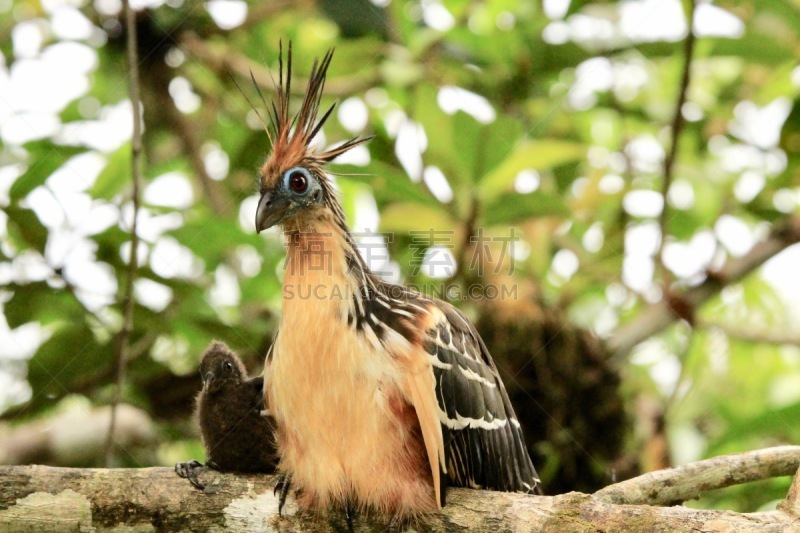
column 44, row 499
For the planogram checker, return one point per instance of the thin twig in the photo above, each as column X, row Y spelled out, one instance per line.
column 461, row 268
column 656, row 317
column 756, row 335
column 683, row 376
column 128, row 304
column 189, row 132
column 677, row 126
column 466, row 244
column 682, row 483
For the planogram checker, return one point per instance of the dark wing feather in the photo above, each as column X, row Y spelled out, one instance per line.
column 484, row 445
column 256, row 385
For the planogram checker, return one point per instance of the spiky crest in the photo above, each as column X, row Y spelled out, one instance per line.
column 291, row 136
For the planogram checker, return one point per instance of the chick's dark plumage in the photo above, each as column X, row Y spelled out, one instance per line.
column 236, row 435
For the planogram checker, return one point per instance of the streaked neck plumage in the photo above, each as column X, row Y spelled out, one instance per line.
column 323, row 264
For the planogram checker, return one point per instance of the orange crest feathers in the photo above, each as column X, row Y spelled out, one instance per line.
column 290, row 147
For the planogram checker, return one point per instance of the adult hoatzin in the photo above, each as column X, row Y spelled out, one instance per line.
column 381, row 396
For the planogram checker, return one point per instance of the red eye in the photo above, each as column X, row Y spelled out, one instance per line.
column 298, row 182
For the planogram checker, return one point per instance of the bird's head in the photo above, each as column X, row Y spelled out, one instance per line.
column 220, row 367
column 293, row 185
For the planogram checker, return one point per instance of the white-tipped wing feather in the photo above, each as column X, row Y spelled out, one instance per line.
column 483, row 441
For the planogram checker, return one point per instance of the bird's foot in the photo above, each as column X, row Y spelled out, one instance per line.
column 282, row 490
column 189, row 470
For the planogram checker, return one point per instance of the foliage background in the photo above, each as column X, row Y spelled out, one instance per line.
column 554, row 119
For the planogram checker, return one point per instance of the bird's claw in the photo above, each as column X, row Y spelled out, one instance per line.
column 189, row 470
column 282, row 490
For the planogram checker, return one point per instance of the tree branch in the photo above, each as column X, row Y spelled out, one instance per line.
column 687, row 482
column 791, row 504
column 133, row 263
column 189, row 133
column 59, row 499
column 677, row 126
column 762, row 336
column 657, row 317
column 75, row 437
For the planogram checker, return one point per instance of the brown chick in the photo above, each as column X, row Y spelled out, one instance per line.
column 236, row 435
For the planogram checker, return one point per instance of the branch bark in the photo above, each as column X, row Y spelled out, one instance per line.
column 658, row 316
column 791, row 504
column 41, row 498
column 687, row 482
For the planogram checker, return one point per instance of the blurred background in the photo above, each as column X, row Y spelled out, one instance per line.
column 518, row 144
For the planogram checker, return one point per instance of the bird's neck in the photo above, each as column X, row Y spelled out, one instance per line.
column 325, row 268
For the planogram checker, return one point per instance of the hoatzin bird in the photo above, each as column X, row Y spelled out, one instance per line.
column 236, row 436
column 382, row 397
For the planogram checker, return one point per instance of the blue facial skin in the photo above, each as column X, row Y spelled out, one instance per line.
column 299, row 188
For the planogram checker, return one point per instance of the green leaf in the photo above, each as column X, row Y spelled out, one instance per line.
column 778, row 83
column 786, row 10
column 108, row 246
column 45, row 159
column 703, row 213
column 441, row 134
column 482, row 147
column 770, row 422
column 467, row 143
column 763, row 302
column 25, row 229
column 214, row 239
column 39, row 302
column 405, row 217
column 790, row 133
column 510, row 208
column 70, row 356
column 115, row 176
column 535, row 154
column 389, row 184
column 753, row 46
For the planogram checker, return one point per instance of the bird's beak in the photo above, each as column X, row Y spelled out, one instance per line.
column 272, row 208
column 208, row 383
